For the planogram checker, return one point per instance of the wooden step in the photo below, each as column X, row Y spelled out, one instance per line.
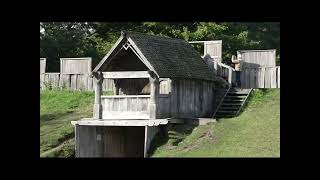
column 228, row 107
column 237, row 94
column 235, row 97
column 226, row 112
column 231, row 104
column 233, row 100
column 224, row 116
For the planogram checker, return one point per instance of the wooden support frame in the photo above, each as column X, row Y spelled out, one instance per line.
column 154, row 92
column 126, row 75
column 97, row 108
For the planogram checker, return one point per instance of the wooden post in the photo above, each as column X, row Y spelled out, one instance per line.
column 215, row 66
column 154, row 91
column 97, row 108
column 230, row 76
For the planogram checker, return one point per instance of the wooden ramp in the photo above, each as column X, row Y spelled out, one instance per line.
column 232, row 103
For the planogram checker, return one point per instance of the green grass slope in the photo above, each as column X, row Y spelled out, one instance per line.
column 57, row 110
column 254, row 133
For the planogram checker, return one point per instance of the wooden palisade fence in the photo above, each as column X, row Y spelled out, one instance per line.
column 262, row 77
column 72, row 82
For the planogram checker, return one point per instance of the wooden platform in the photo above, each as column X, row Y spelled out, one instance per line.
column 119, row 122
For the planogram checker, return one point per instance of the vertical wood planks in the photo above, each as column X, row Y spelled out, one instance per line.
column 75, row 65
column 242, row 78
column 267, row 83
column 73, row 84
column 43, row 65
column 252, row 77
column 278, row 74
column 247, row 78
column 273, row 77
column 262, row 76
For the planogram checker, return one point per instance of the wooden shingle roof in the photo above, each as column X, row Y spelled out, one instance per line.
column 169, row 57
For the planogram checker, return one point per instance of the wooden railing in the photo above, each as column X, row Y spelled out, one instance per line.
column 224, row 71
column 125, row 107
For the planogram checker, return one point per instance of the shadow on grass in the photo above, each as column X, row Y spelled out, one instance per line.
column 53, row 116
column 175, row 133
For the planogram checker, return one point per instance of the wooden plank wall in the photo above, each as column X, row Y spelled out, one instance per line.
column 263, row 77
column 214, row 49
column 72, row 82
column 163, row 106
column 75, row 65
column 109, row 141
column 257, row 58
column 43, row 62
column 191, row 98
column 125, row 107
column 150, row 133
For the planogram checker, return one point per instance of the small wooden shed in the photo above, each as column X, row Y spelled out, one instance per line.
column 157, row 79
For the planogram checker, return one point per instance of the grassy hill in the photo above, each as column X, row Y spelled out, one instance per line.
column 57, row 110
column 255, row 133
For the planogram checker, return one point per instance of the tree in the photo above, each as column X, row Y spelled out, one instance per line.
column 95, row 39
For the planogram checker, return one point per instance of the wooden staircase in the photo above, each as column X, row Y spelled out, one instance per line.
column 232, row 103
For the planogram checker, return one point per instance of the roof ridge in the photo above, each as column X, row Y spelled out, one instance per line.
column 127, row 33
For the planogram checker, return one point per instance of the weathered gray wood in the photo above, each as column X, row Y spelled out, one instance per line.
column 273, row 77
column 262, row 77
column 75, row 65
column 267, row 83
column 97, row 108
column 82, row 82
column 125, row 107
column 154, row 92
column 252, row 77
column 77, row 140
column 65, row 81
column 247, row 78
column 53, row 79
column 242, row 78
column 278, row 74
column 43, row 62
column 42, row 81
column 121, row 122
column 257, row 58
column 150, row 133
column 214, row 49
column 73, row 84
column 126, row 74
column 230, row 75
column 257, row 77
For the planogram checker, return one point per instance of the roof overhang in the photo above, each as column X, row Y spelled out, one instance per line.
column 128, row 44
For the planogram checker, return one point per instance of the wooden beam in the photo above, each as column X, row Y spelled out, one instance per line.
column 154, row 91
column 126, row 75
column 108, row 54
column 119, row 122
column 97, row 108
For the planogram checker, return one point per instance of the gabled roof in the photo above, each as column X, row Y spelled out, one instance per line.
column 168, row 57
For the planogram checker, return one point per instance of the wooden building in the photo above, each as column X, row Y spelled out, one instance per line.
column 157, row 79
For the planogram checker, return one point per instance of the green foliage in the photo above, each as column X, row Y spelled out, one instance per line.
column 95, row 39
